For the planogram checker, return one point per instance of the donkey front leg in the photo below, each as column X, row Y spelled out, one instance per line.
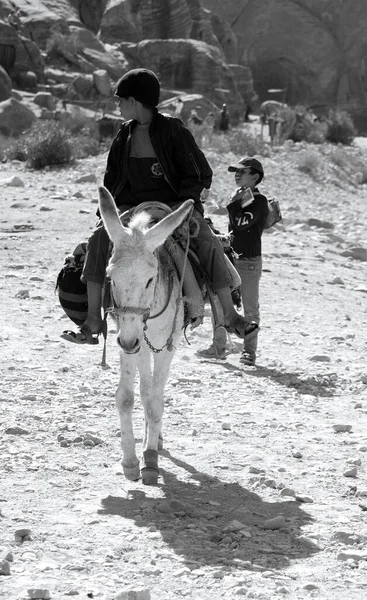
column 125, row 405
column 152, row 391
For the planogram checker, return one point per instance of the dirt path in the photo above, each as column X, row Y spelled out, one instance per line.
column 242, row 445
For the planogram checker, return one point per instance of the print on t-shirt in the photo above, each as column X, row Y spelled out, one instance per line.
column 157, row 170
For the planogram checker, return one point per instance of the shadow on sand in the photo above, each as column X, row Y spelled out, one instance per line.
column 193, row 516
column 322, row 385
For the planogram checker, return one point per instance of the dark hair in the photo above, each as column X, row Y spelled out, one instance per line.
column 256, row 172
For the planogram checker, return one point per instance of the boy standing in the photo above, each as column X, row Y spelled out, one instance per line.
column 247, row 215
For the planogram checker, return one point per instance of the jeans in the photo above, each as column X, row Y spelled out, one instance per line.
column 249, row 270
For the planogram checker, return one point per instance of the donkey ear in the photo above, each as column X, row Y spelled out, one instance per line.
column 109, row 214
column 157, row 235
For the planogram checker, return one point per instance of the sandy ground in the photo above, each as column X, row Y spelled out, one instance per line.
column 242, row 444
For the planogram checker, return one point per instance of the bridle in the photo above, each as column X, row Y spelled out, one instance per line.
column 137, row 310
column 117, row 311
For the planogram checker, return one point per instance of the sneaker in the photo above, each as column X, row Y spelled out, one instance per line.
column 248, row 358
column 215, row 352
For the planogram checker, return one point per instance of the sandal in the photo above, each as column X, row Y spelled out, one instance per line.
column 83, row 336
column 242, row 328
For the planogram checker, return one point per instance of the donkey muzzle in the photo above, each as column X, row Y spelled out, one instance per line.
column 129, row 347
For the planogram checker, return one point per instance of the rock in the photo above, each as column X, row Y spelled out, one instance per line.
column 5, row 85
column 310, row 586
column 275, row 523
column 16, row 430
column 226, row 426
column 351, row 472
column 256, row 470
column 282, row 590
column 348, row 539
column 45, row 100
column 88, row 444
column 90, row 178
column 205, row 69
column 12, row 182
column 94, row 438
column 22, row 533
column 39, row 594
column 313, row 222
column 133, row 594
column 297, row 454
column 320, row 358
column 287, row 492
column 304, row 499
column 354, row 461
column 15, row 117
column 83, row 86
column 357, row 253
column 102, row 82
column 4, row 567
column 234, row 526
column 356, row 555
column 342, row 428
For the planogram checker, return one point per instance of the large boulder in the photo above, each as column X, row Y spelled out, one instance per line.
column 45, row 100
column 5, row 85
column 224, row 35
column 119, row 23
column 79, row 47
column 15, row 117
column 194, row 67
column 102, row 82
column 28, row 57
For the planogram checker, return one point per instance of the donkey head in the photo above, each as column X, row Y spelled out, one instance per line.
column 133, row 266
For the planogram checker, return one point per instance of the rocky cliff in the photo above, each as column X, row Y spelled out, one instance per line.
column 316, row 50
column 190, row 48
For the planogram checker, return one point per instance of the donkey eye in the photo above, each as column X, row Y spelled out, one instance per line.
column 149, row 282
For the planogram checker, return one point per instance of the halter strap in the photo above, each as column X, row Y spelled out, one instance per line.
column 115, row 311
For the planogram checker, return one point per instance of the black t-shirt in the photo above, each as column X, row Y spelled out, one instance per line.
column 247, row 225
column 146, row 183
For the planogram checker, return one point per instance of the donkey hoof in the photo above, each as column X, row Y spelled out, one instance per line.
column 149, row 476
column 132, row 473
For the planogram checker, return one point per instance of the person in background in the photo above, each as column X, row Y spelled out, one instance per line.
column 246, row 222
column 224, row 119
column 155, row 157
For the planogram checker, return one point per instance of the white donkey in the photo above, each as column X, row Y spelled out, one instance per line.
column 148, row 308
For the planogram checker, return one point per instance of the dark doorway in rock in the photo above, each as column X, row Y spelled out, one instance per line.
column 279, row 74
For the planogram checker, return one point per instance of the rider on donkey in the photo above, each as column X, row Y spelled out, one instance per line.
column 154, row 158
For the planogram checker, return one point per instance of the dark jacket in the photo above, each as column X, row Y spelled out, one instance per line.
column 184, row 165
column 247, row 225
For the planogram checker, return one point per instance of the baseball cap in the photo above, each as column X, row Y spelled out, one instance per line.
column 141, row 84
column 247, row 162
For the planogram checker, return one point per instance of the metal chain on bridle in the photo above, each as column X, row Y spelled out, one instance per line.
column 116, row 311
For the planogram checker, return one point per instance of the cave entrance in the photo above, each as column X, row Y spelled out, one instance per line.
column 279, row 74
